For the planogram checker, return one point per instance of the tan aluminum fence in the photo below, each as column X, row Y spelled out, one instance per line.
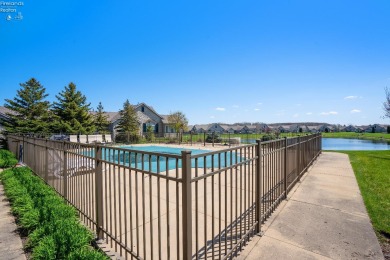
column 148, row 205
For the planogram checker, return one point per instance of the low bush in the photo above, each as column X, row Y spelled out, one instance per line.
column 7, row 159
column 52, row 226
column 216, row 138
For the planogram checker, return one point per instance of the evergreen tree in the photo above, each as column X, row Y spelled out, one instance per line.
column 101, row 120
column 128, row 122
column 30, row 111
column 72, row 112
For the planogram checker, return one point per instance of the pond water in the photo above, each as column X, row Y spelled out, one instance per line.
column 353, row 144
column 345, row 144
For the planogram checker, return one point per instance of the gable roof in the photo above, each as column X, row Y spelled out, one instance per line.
column 150, row 107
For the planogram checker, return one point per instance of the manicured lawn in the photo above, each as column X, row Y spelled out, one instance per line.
column 369, row 136
column 372, row 170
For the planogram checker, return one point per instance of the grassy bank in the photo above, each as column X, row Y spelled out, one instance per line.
column 52, row 227
column 373, row 176
column 353, row 135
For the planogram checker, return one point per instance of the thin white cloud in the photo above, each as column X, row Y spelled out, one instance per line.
column 351, row 97
column 309, row 113
column 257, row 109
column 220, row 109
column 355, row 111
column 329, row 113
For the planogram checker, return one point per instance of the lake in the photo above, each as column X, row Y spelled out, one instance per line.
column 353, row 144
column 345, row 144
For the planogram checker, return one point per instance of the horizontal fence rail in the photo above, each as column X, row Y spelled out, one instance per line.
column 148, row 205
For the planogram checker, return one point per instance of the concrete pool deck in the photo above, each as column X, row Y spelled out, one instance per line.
column 323, row 218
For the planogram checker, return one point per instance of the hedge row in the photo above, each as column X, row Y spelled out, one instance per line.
column 52, row 226
column 7, row 159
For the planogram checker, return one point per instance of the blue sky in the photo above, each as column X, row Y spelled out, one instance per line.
column 216, row 61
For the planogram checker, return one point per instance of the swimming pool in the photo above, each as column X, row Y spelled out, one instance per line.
column 161, row 163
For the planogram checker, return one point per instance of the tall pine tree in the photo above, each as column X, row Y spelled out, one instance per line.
column 128, row 122
column 101, row 120
column 30, row 110
column 72, row 111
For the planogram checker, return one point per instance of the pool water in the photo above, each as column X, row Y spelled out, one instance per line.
column 161, row 163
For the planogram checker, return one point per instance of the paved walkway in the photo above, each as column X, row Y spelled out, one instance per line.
column 10, row 242
column 323, row 218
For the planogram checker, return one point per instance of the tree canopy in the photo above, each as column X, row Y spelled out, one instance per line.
column 30, row 110
column 72, row 112
column 101, row 120
column 178, row 121
column 128, row 122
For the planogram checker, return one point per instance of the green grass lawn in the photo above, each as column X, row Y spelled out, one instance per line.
column 372, row 170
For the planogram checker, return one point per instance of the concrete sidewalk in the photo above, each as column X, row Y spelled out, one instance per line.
column 10, row 243
column 323, row 218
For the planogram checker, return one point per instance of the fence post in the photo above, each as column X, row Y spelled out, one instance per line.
column 99, row 191
column 258, row 184
column 46, row 162
column 21, row 151
column 186, row 204
column 285, row 168
column 298, row 159
column 65, row 173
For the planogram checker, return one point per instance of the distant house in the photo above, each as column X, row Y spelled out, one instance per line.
column 282, row 129
column 197, row 129
column 325, row 129
column 216, row 128
column 376, row 128
column 296, row 128
column 349, row 128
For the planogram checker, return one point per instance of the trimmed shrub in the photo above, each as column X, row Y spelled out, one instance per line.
column 53, row 228
column 45, row 249
column 7, row 159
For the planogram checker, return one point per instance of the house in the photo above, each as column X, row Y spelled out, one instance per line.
column 4, row 115
column 147, row 117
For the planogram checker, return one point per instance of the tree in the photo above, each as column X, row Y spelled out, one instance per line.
column 386, row 104
column 30, row 111
column 72, row 111
column 128, row 122
column 101, row 120
column 178, row 121
column 149, row 133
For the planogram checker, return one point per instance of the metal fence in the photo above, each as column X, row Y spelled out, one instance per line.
column 148, row 205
